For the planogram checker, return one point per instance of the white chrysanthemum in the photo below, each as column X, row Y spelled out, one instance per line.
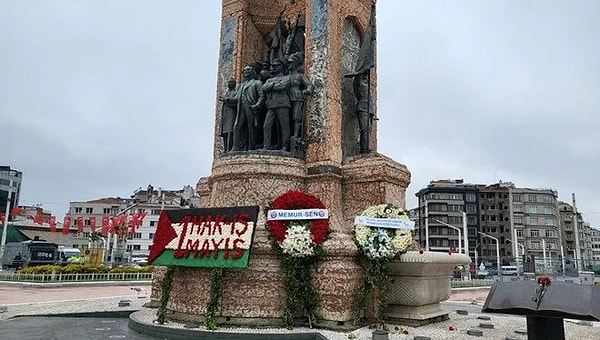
column 298, row 241
column 382, row 243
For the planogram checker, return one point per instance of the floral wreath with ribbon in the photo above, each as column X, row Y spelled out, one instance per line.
column 298, row 223
column 299, row 237
column 380, row 243
column 382, row 233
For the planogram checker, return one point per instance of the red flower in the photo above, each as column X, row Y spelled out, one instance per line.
column 292, row 200
column 451, row 328
column 421, row 251
column 405, row 331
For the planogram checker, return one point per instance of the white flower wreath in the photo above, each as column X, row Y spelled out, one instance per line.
column 383, row 243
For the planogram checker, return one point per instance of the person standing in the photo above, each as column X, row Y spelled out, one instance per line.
column 245, row 128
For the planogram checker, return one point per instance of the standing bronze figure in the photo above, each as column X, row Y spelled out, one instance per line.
column 300, row 87
column 275, row 95
column 245, row 128
column 228, row 115
column 364, row 110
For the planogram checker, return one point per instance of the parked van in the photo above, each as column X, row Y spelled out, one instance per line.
column 509, row 270
column 69, row 255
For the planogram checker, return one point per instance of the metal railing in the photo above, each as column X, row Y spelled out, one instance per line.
column 458, row 283
column 75, row 277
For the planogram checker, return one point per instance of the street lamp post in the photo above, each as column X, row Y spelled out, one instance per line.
column 517, row 252
column 497, row 250
column 5, row 229
column 459, row 234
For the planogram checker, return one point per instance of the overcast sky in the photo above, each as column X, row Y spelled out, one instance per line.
column 98, row 98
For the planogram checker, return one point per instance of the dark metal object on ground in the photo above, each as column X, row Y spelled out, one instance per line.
column 545, row 307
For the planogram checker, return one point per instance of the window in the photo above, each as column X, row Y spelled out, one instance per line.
column 78, row 210
column 141, row 210
column 89, row 210
column 471, row 209
column 547, row 198
column 550, row 222
column 151, row 236
column 155, row 212
column 149, row 247
column 137, row 247
column 516, row 197
column 533, row 221
column 471, row 220
column 550, row 233
column 470, row 197
column 438, row 207
column 518, row 220
column 129, row 247
column 137, row 235
column 532, row 209
column 86, row 222
column 492, row 207
column 519, row 233
column 535, row 245
column 548, row 210
column 455, row 207
column 455, row 219
column 517, row 208
column 531, row 198
column 106, row 211
column 153, row 223
column 534, row 233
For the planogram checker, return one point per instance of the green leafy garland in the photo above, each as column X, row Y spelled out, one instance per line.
column 165, row 294
column 378, row 248
column 299, row 245
column 215, row 294
column 377, row 280
column 300, row 291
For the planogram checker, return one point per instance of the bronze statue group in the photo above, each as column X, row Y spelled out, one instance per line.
column 265, row 111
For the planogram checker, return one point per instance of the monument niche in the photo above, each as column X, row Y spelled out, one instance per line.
column 310, row 142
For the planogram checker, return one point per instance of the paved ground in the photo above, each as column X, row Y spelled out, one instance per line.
column 30, row 302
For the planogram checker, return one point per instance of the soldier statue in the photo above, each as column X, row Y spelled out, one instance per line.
column 275, row 95
column 364, row 110
column 300, row 87
column 245, row 127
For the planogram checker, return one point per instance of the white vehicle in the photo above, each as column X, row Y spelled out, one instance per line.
column 508, row 270
column 65, row 255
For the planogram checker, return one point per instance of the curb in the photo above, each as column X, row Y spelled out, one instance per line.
column 73, row 284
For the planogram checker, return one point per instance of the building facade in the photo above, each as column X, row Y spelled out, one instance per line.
column 520, row 224
column 10, row 182
column 134, row 245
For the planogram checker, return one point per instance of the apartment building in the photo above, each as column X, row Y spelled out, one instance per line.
column 501, row 218
column 149, row 201
column 595, row 235
column 495, row 222
column 10, row 181
column 535, row 221
column 444, row 203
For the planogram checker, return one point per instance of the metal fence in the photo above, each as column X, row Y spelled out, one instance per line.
column 78, row 277
column 458, row 283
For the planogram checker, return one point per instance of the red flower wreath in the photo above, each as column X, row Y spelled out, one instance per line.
column 292, row 200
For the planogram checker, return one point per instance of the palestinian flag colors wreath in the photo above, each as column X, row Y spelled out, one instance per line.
column 298, row 224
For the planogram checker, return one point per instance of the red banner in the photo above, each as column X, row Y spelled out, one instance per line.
column 52, row 223
column 80, row 224
column 105, row 222
column 93, row 224
column 66, row 224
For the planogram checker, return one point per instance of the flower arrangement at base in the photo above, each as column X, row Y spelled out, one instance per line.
column 380, row 242
column 298, row 224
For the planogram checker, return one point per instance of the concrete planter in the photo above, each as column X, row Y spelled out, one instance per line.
column 420, row 283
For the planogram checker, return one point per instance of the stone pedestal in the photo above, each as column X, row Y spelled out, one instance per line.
column 420, row 283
